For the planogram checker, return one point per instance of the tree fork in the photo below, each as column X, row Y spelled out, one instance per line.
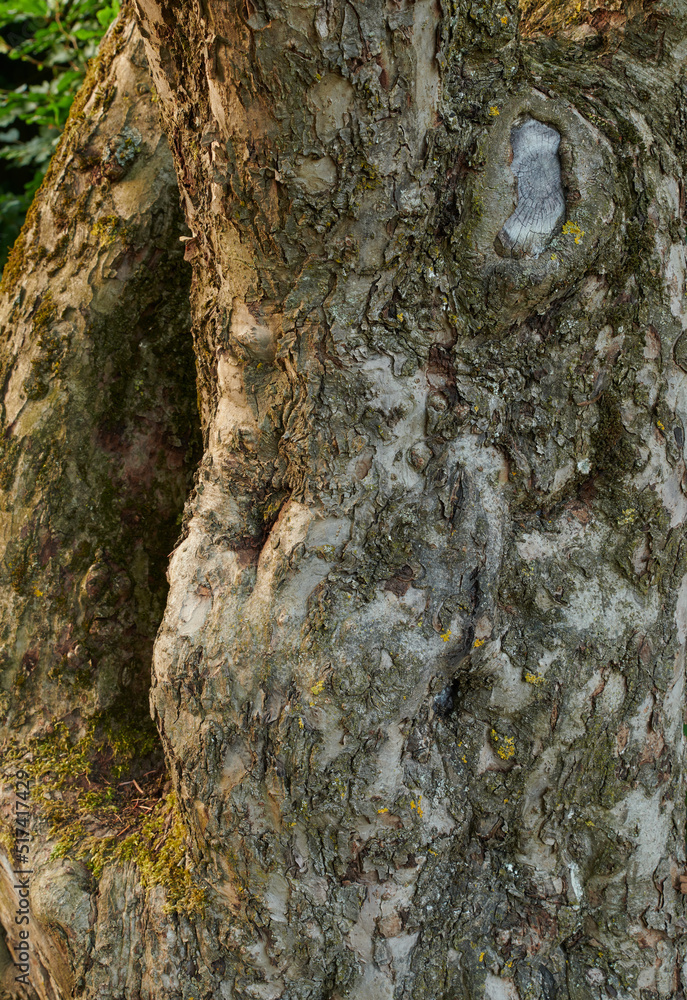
column 420, row 676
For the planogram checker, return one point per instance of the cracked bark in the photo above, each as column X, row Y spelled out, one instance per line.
column 420, row 676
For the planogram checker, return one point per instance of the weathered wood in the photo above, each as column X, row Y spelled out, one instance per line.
column 420, row 676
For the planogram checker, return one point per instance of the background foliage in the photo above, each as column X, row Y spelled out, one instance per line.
column 45, row 46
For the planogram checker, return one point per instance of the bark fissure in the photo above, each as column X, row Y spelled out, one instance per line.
column 420, row 675
column 471, row 571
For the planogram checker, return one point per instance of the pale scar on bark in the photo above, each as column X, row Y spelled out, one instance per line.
column 541, row 203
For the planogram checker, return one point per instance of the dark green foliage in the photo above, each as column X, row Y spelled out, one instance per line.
column 50, row 43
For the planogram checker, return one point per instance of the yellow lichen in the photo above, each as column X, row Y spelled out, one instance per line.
column 629, row 515
column 572, row 229
column 106, row 229
column 506, row 750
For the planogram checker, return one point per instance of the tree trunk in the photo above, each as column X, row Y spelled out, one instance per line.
column 420, row 676
column 100, row 436
column 96, row 350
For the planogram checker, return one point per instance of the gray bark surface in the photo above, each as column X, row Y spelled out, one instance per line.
column 420, row 677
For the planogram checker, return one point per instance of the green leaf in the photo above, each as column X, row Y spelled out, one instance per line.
column 108, row 14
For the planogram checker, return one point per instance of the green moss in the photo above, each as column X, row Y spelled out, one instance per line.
column 51, row 348
column 612, row 453
column 138, row 359
column 597, row 765
column 640, row 254
column 16, row 563
column 606, row 127
column 107, row 229
column 18, row 260
column 83, row 785
column 159, row 849
column 8, row 462
column 628, row 132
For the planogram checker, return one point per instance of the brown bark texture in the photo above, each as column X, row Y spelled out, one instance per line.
column 100, row 436
column 420, row 677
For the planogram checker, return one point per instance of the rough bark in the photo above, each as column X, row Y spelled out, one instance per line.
column 96, row 345
column 100, row 435
column 420, row 676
